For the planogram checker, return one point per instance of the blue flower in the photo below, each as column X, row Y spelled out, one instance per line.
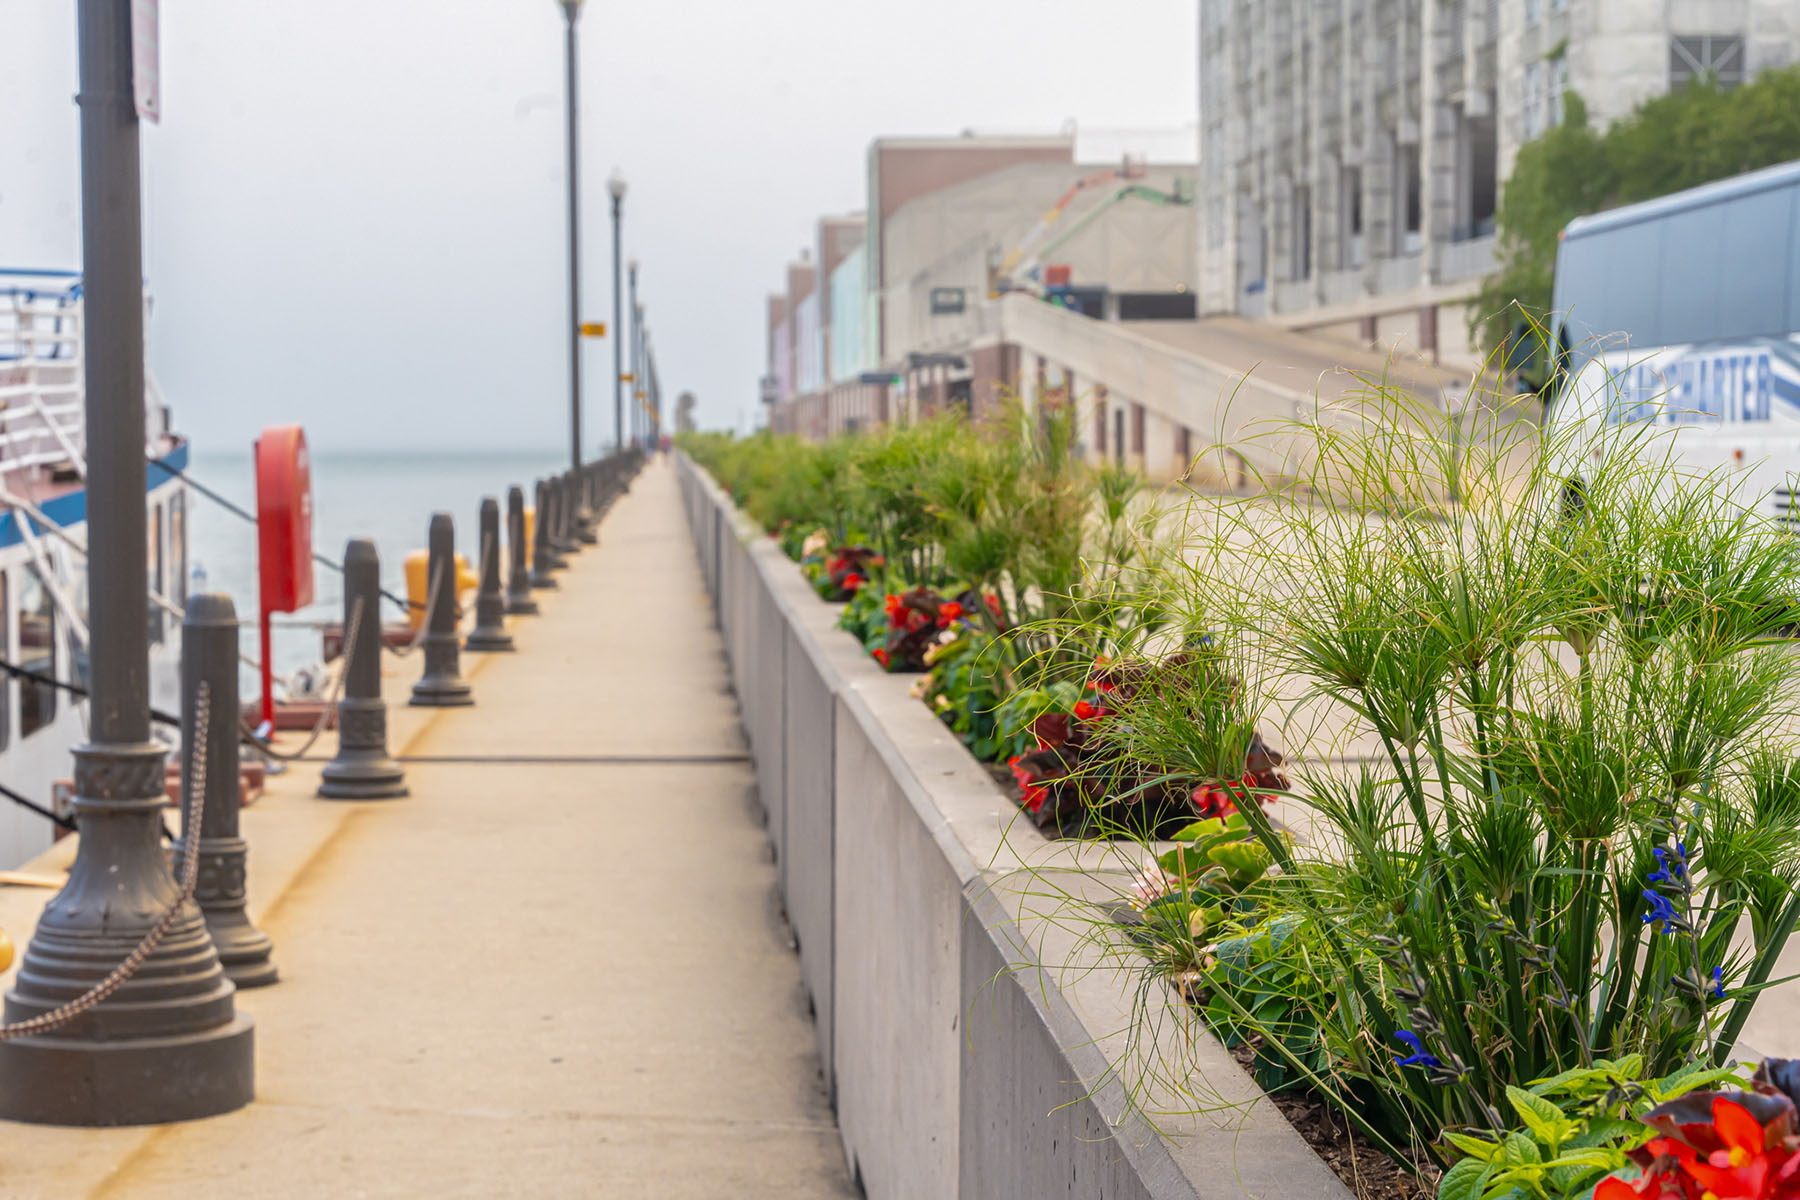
column 1718, row 987
column 1420, row 1057
column 1662, row 914
column 1671, row 872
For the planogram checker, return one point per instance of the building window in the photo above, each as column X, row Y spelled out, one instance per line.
column 1559, row 83
column 37, row 652
column 1118, row 440
column 1533, row 108
column 1557, row 6
column 153, row 570
column 1720, row 58
column 1301, row 257
column 1353, row 219
column 1411, row 211
column 1534, row 12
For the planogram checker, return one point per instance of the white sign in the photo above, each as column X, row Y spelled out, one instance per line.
column 146, row 74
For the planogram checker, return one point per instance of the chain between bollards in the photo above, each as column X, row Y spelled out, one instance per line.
column 56, row 1018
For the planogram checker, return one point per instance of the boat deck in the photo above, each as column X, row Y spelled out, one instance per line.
column 545, row 973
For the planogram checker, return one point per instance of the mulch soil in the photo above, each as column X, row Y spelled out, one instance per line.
column 1366, row 1171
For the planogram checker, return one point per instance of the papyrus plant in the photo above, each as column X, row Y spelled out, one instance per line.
column 1543, row 747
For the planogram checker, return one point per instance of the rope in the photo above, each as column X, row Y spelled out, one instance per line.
column 190, row 877
column 34, row 806
column 337, row 688
column 242, row 513
column 431, row 599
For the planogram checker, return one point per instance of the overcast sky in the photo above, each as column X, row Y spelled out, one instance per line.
column 354, row 208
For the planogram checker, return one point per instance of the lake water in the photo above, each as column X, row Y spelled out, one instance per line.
column 387, row 497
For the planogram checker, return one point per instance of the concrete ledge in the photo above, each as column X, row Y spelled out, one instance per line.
column 978, row 1040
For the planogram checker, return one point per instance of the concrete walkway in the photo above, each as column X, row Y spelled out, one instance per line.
column 544, row 974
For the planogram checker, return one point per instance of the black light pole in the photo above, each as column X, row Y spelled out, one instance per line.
column 615, row 187
column 583, row 519
column 168, row 1044
column 637, row 355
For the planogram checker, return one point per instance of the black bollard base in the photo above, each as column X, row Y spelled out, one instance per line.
column 54, row 1080
column 489, row 641
column 244, row 950
column 373, row 779
column 453, row 692
column 524, row 605
column 543, row 581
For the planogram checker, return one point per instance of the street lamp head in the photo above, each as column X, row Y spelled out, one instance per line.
column 615, row 184
column 631, row 265
column 571, row 7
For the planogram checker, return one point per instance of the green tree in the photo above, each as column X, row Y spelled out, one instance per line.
column 1693, row 135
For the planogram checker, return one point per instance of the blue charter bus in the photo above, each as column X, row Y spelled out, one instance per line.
column 1684, row 312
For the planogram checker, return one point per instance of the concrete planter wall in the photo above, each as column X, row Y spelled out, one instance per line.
column 975, row 1043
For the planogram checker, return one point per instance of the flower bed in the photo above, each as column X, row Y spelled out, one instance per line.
column 994, row 564
column 1546, row 901
column 974, row 1043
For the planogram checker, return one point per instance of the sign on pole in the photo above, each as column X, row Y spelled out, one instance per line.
column 595, row 329
column 146, row 74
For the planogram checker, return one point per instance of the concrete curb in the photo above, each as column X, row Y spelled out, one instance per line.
column 976, row 1041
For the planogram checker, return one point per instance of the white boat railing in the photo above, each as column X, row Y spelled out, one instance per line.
column 43, row 420
column 42, row 415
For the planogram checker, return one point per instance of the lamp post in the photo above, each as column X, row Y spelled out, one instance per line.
column 615, row 187
column 583, row 519
column 637, row 356
column 169, row 1044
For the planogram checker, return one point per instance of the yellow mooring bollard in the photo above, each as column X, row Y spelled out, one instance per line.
column 418, row 585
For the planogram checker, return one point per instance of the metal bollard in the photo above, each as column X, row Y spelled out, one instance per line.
column 579, row 485
column 442, row 684
column 490, row 632
column 562, row 535
column 209, row 653
column 518, row 578
column 362, row 769
column 559, row 509
column 543, row 558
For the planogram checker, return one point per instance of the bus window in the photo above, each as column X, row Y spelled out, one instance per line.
column 37, row 652
column 153, row 570
column 178, row 556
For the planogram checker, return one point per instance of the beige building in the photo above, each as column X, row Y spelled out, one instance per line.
column 1354, row 149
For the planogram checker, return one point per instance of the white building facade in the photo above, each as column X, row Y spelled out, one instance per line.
column 1353, row 151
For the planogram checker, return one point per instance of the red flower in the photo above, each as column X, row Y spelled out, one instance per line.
column 948, row 611
column 1031, row 792
column 880, row 655
column 1653, row 1186
column 1088, row 712
column 896, row 611
column 852, row 582
column 1742, row 1167
column 993, row 604
column 834, row 565
column 1212, row 800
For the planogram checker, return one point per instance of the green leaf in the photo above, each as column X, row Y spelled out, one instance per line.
column 1463, row 1181
column 1244, row 861
column 1544, row 1119
column 1601, row 1130
column 1474, row 1147
column 1519, row 1147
